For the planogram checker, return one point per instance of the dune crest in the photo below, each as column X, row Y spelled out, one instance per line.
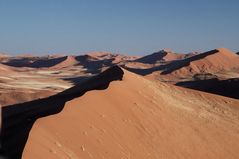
column 165, row 55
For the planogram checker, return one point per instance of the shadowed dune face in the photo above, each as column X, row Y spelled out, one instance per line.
column 48, row 62
column 228, row 88
column 34, row 62
column 137, row 118
column 163, row 55
column 153, row 58
column 22, row 62
column 17, row 120
column 93, row 64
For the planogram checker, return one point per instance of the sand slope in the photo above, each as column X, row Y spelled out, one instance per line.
column 212, row 61
column 136, row 118
column 163, row 55
column 5, row 69
column 67, row 62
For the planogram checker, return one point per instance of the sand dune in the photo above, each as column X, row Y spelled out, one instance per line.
column 18, row 119
column 220, row 62
column 118, row 114
column 101, row 55
column 19, row 61
column 48, row 62
column 56, row 62
column 34, row 61
column 67, row 62
column 132, row 118
column 162, row 66
column 136, row 118
column 93, row 64
column 116, row 58
column 212, row 61
column 162, row 56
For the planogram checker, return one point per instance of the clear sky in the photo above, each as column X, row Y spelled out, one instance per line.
column 119, row 26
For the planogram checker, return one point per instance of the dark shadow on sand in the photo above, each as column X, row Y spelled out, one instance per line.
column 93, row 65
column 38, row 62
column 77, row 80
column 228, row 88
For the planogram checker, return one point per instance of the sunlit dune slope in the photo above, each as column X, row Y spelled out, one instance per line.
column 136, row 118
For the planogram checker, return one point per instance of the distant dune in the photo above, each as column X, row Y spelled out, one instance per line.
column 162, row 56
column 117, row 57
column 101, row 55
column 93, row 64
column 118, row 114
column 47, row 62
column 211, row 61
column 67, row 62
column 34, row 62
column 61, row 61
column 17, row 62
column 92, row 61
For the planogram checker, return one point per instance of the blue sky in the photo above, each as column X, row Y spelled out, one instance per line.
column 119, row 26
